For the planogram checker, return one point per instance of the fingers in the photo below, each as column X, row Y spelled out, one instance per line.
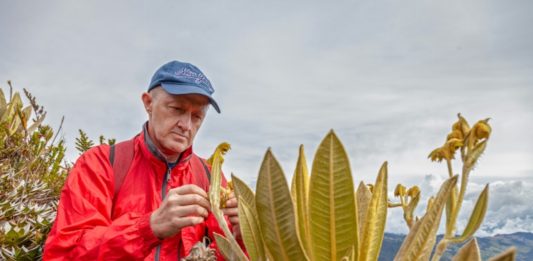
column 187, row 221
column 189, row 189
column 191, row 210
column 230, row 212
column 232, row 201
column 234, row 220
column 191, row 199
column 188, row 195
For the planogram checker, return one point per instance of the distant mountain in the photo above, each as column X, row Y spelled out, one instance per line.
column 489, row 246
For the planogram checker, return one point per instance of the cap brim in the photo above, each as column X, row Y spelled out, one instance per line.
column 178, row 89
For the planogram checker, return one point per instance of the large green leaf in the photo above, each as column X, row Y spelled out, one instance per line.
column 300, row 195
column 450, row 206
column 477, row 216
column 364, row 196
column 251, row 232
column 276, row 212
column 332, row 202
column 376, row 216
column 468, row 252
column 225, row 247
column 421, row 237
column 246, row 193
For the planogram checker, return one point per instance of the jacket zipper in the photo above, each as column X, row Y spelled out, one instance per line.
column 163, row 194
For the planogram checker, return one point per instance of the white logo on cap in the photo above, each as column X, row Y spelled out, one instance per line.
column 195, row 77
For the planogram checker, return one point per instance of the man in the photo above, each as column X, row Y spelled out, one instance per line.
column 160, row 209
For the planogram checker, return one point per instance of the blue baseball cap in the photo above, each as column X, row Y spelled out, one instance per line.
column 183, row 78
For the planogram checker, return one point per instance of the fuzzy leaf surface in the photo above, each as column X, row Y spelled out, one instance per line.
column 363, row 199
column 468, row 252
column 245, row 192
column 251, row 232
column 224, row 246
column 276, row 212
column 376, row 216
column 300, row 195
column 332, row 202
column 477, row 216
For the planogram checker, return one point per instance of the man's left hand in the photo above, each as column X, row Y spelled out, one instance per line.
column 232, row 212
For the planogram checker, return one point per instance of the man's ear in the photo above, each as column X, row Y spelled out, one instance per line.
column 147, row 101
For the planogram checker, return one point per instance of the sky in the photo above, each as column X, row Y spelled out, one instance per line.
column 389, row 77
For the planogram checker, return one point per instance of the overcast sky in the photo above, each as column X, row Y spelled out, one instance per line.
column 388, row 76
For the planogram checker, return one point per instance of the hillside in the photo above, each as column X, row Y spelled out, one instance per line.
column 489, row 246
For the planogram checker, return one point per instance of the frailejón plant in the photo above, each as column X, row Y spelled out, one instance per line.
column 322, row 216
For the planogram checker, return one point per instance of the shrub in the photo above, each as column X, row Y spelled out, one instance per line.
column 32, row 173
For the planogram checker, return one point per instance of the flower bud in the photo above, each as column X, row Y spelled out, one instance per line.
column 399, row 191
column 413, row 191
column 461, row 125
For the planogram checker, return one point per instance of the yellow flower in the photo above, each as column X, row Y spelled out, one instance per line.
column 399, row 191
column 225, row 194
column 436, row 155
column 455, row 134
column 451, row 147
column 413, row 191
column 461, row 125
column 480, row 130
column 447, row 151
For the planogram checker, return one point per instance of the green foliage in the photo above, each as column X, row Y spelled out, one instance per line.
column 83, row 143
column 103, row 140
column 32, row 173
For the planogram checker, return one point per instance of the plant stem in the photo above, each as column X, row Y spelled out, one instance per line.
column 450, row 222
column 450, row 172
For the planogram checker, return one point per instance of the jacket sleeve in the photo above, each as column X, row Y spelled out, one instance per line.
column 83, row 228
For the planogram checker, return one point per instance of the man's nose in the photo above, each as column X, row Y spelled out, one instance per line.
column 185, row 121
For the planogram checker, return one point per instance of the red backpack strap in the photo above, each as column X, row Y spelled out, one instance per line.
column 120, row 157
column 199, row 165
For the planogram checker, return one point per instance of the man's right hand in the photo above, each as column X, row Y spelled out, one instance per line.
column 184, row 206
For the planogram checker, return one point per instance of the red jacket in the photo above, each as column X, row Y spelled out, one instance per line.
column 86, row 228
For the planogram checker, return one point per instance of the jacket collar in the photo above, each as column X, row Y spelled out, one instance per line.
column 152, row 149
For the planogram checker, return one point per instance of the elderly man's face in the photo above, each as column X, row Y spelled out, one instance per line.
column 174, row 120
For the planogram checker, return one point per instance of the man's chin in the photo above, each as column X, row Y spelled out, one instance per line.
column 178, row 148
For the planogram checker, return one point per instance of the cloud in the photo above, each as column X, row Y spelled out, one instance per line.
column 510, row 208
